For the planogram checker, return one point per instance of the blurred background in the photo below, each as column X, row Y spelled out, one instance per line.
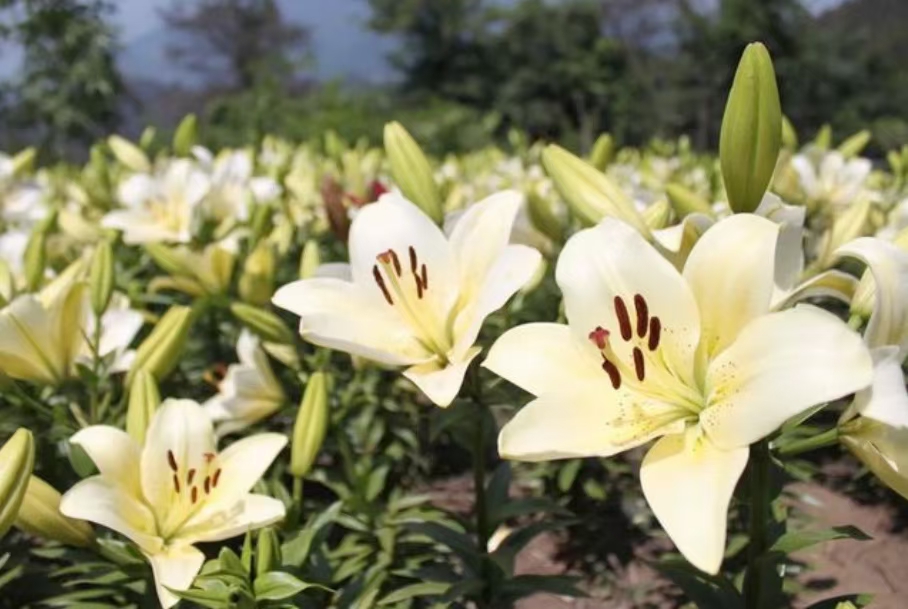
column 457, row 73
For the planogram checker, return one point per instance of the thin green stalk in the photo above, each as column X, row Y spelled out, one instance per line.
column 298, row 491
column 479, row 484
column 758, row 479
column 821, row 440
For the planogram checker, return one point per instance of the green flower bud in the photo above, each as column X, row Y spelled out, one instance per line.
column 24, row 162
column 35, row 260
column 256, row 283
column 147, row 137
column 263, row 322
column 685, row 201
column 658, row 214
column 7, row 284
column 267, row 552
column 855, row 144
column 101, row 277
column 310, row 259
column 789, row 135
column 144, row 400
column 128, row 154
column 542, row 216
column 17, row 458
column 40, row 515
column 412, row 172
column 167, row 258
column 751, row 130
column 588, row 192
column 603, row 152
column 310, row 426
column 185, row 136
column 823, row 138
column 160, row 352
column 864, row 297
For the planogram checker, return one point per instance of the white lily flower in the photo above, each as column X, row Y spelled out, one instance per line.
column 160, row 207
column 875, row 426
column 119, row 325
column 416, row 298
column 696, row 359
column 176, row 490
column 249, row 392
column 835, row 181
column 233, row 185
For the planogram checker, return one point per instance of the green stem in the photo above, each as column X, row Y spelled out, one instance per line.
column 758, row 478
column 479, row 486
column 826, row 438
column 298, row 491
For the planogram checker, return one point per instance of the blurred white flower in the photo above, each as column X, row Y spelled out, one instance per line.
column 834, row 181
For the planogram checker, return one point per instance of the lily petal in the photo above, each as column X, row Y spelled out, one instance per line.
column 731, row 272
column 107, row 503
column 114, row 453
column 882, row 449
column 886, row 400
column 689, row 482
column 544, row 358
column 175, row 568
column 599, row 265
column 780, row 365
column 585, row 422
column 441, row 384
column 252, row 512
column 337, row 314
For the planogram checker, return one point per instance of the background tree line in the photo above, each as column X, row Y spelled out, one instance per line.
column 469, row 70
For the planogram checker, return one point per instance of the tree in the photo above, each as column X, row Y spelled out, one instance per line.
column 70, row 90
column 235, row 44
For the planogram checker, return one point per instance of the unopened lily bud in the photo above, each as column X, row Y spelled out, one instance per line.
column 101, row 277
column 789, row 135
column 412, row 172
column 7, row 284
column 685, row 201
column 864, row 296
column 35, row 259
column 855, row 144
column 587, row 191
column 160, row 352
column 658, row 214
column 184, row 138
column 128, row 154
column 256, row 283
column 751, row 130
column 263, row 322
column 311, row 425
column 24, row 162
column 267, row 552
column 823, row 139
column 40, row 515
column 17, row 459
column 261, row 221
column 217, row 269
column 144, row 399
column 543, row 217
column 310, row 259
column 167, row 258
column 147, row 137
column 603, row 152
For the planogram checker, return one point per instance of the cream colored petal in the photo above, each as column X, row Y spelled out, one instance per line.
column 441, row 384
column 888, row 323
column 118, row 328
column 174, row 568
column 393, row 223
column 585, row 421
column 179, row 439
column 883, row 449
column 26, row 343
column 828, row 284
column 610, row 261
column 731, row 272
column 103, row 501
column 242, row 464
column 545, row 358
column 806, row 174
column 114, row 453
column 886, row 400
column 250, row 513
column 688, row 482
column 336, row 314
column 513, row 269
column 780, row 365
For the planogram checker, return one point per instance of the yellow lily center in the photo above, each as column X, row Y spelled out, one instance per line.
column 191, row 489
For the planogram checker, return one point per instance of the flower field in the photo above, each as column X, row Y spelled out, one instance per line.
column 331, row 374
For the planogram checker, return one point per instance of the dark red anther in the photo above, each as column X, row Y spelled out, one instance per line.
column 396, row 261
column 189, row 476
column 414, row 262
column 424, row 275
column 638, row 364
column 171, row 460
column 176, row 483
column 624, row 320
column 195, row 494
column 613, row 374
column 642, row 315
column 599, row 337
column 207, row 485
column 380, row 281
column 655, row 333
column 217, row 476
column 209, row 457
